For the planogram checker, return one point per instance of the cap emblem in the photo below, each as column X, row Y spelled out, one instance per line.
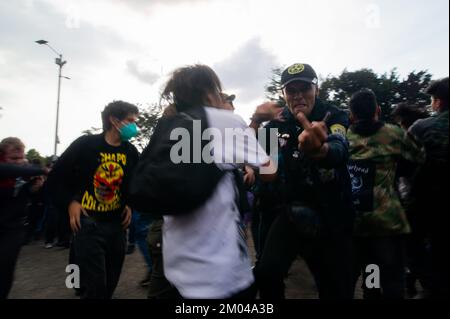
column 296, row 68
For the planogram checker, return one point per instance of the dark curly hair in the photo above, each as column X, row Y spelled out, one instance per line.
column 439, row 90
column 190, row 86
column 118, row 109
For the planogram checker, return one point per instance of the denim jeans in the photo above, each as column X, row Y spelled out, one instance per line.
column 142, row 224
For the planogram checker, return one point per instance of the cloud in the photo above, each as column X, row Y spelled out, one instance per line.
column 21, row 25
column 247, row 70
column 144, row 4
column 142, row 75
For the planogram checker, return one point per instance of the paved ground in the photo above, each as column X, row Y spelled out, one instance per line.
column 40, row 274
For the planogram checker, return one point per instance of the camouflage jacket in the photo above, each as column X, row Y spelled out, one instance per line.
column 432, row 181
column 372, row 167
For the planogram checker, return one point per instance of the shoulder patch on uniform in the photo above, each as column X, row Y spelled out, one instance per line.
column 338, row 129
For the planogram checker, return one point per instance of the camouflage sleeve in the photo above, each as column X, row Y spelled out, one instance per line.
column 411, row 149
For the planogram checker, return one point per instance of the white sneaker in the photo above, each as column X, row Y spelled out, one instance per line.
column 48, row 245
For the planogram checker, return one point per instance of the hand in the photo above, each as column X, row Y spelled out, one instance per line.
column 126, row 217
column 75, row 210
column 267, row 111
column 249, row 175
column 312, row 139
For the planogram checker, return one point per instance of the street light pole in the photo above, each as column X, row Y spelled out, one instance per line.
column 58, row 61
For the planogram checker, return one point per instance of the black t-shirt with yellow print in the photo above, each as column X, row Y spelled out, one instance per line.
column 95, row 174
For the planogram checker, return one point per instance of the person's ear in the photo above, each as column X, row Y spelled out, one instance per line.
column 317, row 90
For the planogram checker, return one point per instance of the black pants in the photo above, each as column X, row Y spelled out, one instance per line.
column 63, row 226
column 10, row 243
column 99, row 249
column 418, row 252
column 388, row 253
column 261, row 226
column 329, row 259
column 35, row 215
column 51, row 222
column 159, row 287
column 439, row 257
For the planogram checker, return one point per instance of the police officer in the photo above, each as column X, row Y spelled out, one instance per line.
column 317, row 220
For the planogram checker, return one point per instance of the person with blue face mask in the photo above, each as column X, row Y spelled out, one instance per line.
column 127, row 128
column 90, row 182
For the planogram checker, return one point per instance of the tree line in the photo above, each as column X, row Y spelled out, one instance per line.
column 389, row 88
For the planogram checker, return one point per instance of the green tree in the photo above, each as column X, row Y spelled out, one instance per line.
column 413, row 87
column 338, row 90
column 273, row 88
column 388, row 87
column 33, row 155
column 147, row 120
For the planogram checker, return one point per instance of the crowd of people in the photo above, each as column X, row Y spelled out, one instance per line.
column 340, row 187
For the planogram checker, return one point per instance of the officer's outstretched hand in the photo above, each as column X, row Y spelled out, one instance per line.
column 312, row 141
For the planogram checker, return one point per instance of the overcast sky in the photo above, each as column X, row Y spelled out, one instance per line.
column 125, row 49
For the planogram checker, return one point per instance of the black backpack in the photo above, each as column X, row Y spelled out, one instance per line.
column 162, row 187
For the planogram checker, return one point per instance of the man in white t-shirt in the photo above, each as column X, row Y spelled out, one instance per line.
column 205, row 252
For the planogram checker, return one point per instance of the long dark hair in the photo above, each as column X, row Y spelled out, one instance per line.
column 192, row 86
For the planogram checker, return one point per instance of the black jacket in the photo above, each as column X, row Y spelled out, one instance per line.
column 14, row 193
column 323, row 185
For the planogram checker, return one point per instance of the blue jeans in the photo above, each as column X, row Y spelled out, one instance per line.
column 142, row 224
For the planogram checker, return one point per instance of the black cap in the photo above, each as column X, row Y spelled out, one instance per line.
column 298, row 72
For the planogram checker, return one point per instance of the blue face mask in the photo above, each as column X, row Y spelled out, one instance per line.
column 128, row 131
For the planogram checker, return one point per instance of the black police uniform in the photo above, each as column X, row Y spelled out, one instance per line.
column 320, row 191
